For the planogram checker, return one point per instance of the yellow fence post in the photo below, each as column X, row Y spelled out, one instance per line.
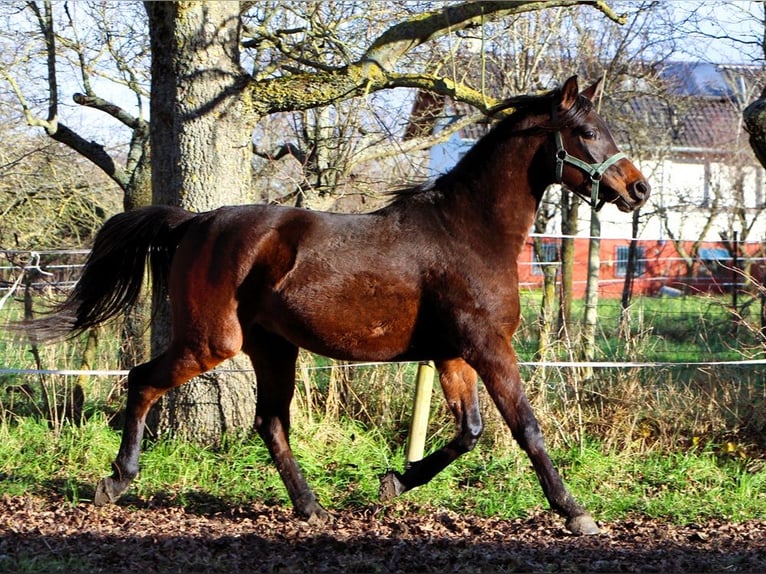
column 424, row 385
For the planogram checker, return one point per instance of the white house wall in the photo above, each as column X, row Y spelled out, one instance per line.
column 683, row 190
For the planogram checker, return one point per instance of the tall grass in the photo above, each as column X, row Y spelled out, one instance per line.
column 676, row 440
column 664, row 407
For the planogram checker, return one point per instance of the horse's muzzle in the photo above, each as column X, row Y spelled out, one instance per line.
column 639, row 191
column 637, row 194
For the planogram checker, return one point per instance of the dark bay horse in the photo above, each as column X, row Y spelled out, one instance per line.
column 431, row 276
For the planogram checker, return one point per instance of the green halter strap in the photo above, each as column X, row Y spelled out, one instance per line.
column 594, row 170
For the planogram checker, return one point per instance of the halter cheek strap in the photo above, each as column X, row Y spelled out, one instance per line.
column 594, row 170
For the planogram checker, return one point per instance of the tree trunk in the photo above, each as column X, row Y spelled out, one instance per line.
column 200, row 141
column 547, row 315
column 754, row 117
column 627, row 286
column 590, row 317
column 570, row 204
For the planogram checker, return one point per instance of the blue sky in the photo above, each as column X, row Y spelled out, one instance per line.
column 723, row 32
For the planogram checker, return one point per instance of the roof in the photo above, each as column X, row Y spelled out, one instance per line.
column 703, row 107
column 702, row 112
column 692, row 124
column 703, row 79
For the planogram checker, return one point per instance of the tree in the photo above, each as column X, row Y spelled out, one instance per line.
column 204, row 106
column 49, row 197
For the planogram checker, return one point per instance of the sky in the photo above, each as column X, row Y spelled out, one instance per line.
column 722, row 31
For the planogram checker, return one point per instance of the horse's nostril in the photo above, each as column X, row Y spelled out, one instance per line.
column 641, row 189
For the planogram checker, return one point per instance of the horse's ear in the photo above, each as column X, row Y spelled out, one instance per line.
column 590, row 92
column 569, row 93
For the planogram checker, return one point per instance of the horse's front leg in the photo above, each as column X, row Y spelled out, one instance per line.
column 459, row 383
column 499, row 371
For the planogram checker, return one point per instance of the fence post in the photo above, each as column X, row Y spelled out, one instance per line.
column 424, row 384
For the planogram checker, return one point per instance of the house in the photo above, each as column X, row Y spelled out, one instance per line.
column 707, row 185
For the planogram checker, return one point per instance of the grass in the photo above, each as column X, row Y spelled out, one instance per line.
column 691, row 328
column 342, row 462
column 679, row 443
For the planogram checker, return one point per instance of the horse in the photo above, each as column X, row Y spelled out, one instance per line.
column 432, row 275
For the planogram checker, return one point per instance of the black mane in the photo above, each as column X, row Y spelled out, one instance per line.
column 523, row 106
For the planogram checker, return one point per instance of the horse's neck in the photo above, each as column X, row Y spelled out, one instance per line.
column 497, row 203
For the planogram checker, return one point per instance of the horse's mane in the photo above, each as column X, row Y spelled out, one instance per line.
column 424, row 191
column 530, row 104
column 522, row 106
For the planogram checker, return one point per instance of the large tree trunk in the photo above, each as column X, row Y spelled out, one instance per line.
column 200, row 140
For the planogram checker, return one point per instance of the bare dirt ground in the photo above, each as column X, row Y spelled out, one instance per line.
column 43, row 535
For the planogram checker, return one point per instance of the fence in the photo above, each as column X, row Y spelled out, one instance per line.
column 657, row 271
column 52, row 272
column 55, row 271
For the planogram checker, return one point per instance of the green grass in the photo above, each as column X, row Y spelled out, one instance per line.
column 342, row 462
column 691, row 328
column 680, row 487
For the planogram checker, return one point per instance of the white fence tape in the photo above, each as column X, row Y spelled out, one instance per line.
column 551, row 364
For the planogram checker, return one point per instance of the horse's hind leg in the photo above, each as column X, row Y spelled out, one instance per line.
column 459, row 383
column 274, row 362
column 146, row 384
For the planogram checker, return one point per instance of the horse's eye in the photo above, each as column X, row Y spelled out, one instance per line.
column 588, row 134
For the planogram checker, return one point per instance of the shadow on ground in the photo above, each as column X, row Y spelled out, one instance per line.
column 41, row 535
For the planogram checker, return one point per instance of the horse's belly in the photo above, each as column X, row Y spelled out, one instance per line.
column 373, row 341
column 353, row 320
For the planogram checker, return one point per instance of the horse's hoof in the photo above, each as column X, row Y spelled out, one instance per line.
column 107, row 492
column 582, row 524
column 319, row 517
column 102, row 497
column 312, row 512
column 390, row 486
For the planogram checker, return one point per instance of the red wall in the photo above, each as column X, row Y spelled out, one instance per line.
column 663, row 267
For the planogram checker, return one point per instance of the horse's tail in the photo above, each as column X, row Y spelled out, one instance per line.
column 113, row 275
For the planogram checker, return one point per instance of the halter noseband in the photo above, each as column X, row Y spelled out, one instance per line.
column 594, row 170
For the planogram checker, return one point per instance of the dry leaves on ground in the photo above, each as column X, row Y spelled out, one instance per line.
column 49, row 536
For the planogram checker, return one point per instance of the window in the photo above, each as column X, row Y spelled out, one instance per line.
column 621, row 264
column 714, row 259
column 549, row 254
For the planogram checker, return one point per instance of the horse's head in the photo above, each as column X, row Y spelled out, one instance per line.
column 587, row 159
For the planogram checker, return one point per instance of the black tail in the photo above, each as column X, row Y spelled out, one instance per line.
column 114, row 272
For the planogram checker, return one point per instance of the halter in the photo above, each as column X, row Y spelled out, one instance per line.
column 594, row 170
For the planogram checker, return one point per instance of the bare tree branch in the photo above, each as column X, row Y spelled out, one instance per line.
column 45, row 21
column 285, row 149
column 61, row 133
column 373, row 71
column 107, row 107
column 77, row 47
column 92, row 151
column 415, row 144
column 403, row 37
